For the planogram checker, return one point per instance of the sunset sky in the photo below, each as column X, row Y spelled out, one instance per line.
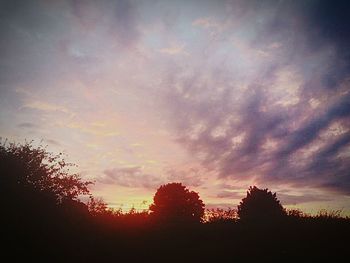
column 218, row 95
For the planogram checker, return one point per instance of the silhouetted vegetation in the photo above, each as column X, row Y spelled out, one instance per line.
column 43, row 218
column 260, row 205
column 175, row 203
column 219, row 215
column 41, row 209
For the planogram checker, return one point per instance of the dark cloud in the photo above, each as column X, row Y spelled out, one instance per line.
column 23, row 25
column 259, row 132
column 230, row 187
column 130, row 177
column 125, row 22
column 229, row 100
column 43, row 40
column 121, row 16
column 330, row 20
column 287, row 199
column 327, row 23
column 189, row 177
column 333, row 148
column 310, row 130
column 28, row 125
column 305, row 27
column 228, row 194
column 136, row 177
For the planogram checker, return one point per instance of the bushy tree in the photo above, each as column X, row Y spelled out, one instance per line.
column 26, row 168
column 173, row 202
column 260, row 205
column 37, row 186
column 41, row 212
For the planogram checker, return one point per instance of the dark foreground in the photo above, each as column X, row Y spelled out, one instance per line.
column 94, row 241
column 43, row 220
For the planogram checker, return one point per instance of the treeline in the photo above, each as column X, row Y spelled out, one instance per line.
column 44, row 218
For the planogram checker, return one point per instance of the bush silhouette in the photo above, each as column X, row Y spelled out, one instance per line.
column 173, row 202
column 32, row 168
column 36, row 186
column 42, row 218
column 39, row 198
column 220, row 215
column 260, row 205
column 97, row 207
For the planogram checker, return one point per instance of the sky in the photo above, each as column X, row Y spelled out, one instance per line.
column 217, row 95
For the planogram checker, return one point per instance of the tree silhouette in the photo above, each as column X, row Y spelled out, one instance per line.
column 29, row 168
column 260, row 205
column 36, row 186
column 173, row 202
column 42, row 218
column 98, row 207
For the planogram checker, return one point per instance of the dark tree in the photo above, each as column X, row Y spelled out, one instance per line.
column 97, row 207
column 36, row 185
column 29, row 168
column 173, row 202
column 39, row 199
column 260, row 205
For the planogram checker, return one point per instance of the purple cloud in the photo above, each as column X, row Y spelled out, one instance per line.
column 130, row 177
column 285, row 106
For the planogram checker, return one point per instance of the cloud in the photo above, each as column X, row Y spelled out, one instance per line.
column 174, row 50
column 287, row 199
column 208, row 23
column 53, row 142
column 44, row 106
column 260, row 120
column 28, row 125
column 133, row 177
column 120, row 17
column 310, row 130
column 261, row 95
column 190, row 176
column 231, row 195
column 91, row 128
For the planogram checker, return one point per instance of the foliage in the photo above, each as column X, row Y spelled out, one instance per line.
column 260, row 205
column 295, row 213
column 325, row 214
column 27, row 167
column 173, row 202
column 219, row 215
column 97, row 207
column 42, row 218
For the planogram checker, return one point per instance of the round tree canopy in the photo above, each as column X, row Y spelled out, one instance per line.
column 260, row 205
column 173, row 202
